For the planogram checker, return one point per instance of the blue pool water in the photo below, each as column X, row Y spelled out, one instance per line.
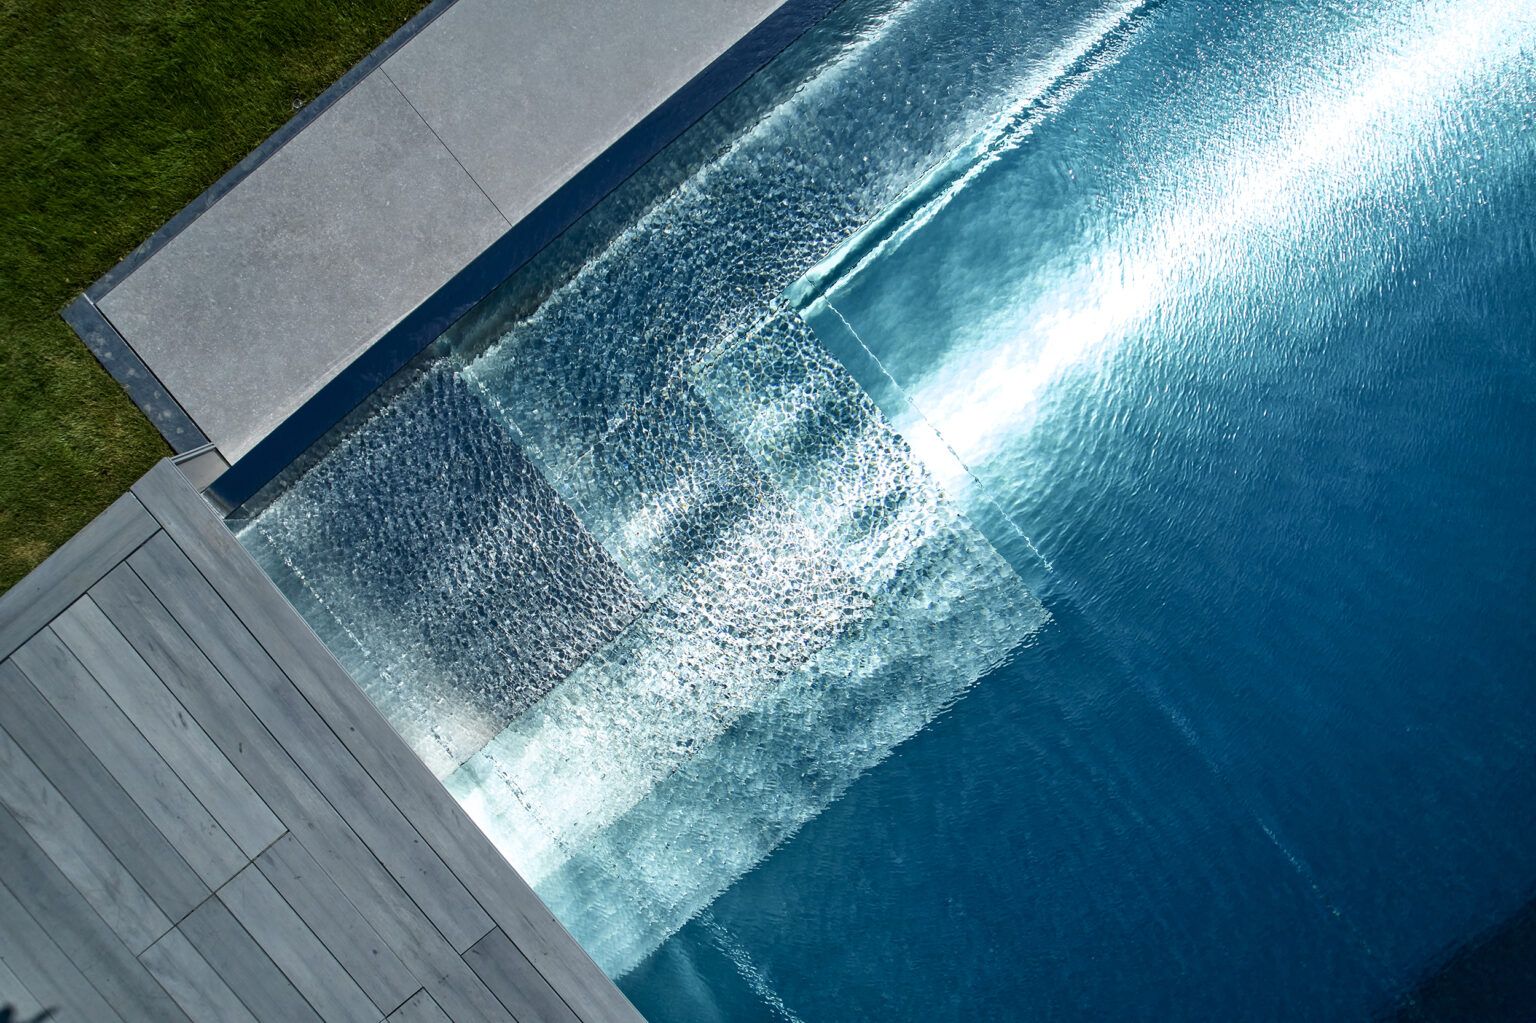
column 1041, row 524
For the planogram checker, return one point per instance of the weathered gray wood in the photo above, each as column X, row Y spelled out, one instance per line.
column 175, row 734
column 182, row 698
column 510, row 976
column 15, row 996
column 186, row 975
column 365, row 956
column 419, row 1009
column 243, row 966
column 79, row 930
column 410, row 786
column 154, row 786
column 292, row 946
column 514, row 905
column 93, row 793
column 34, row 601
column 134, row 602
column 47, row 972
column 74, row 848
column 289, row 716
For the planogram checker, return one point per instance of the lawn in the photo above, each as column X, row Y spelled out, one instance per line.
column 118, row 113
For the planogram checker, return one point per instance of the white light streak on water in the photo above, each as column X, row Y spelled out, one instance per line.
column 1359, row 125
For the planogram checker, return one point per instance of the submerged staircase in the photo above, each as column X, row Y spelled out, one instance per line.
column 816, row 600
column 645, row 616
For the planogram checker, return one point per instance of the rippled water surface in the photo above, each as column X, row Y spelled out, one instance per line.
column 1041, row 524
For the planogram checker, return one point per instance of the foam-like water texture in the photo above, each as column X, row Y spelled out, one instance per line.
column 828, row 622
column 454, row 616
column 654, row 521
column 723, row 623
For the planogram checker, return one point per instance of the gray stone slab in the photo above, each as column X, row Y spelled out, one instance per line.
column 292, row 946
column 527, row 92
column 251, row 308
column 85, row 557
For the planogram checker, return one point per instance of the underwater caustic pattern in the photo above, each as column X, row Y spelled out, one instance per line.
column 1040, row 524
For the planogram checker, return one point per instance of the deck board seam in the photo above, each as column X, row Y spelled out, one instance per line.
column 211, row 811
column 340, row 740
column 383, row 70
column 406, row 950
column 564, row 953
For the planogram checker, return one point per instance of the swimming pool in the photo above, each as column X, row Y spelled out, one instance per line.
column 1035, row 522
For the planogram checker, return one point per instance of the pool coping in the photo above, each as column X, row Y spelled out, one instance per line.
column 111, row 349
column 399, row 344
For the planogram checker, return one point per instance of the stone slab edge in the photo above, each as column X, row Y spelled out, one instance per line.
column 111, row 349
column 394, row 349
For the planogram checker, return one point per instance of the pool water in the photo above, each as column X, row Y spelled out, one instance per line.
column 1041, row 524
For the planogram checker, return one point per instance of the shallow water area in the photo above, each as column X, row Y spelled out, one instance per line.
column 1039, row 525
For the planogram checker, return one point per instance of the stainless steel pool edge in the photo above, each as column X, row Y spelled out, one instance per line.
column 409, row 337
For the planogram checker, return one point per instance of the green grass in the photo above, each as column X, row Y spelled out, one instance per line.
column 117, row 113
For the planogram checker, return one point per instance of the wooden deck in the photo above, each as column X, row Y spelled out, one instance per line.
column 202, row 818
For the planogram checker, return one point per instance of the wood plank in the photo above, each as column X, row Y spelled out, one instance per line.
column 196, row 987
column 243, row 966
column 510, row 976
column 456, row 839
column 71, row 570
column 78, row 930
column 95, row 795
column 292, row 946
column 365, row 956
column 45, row 970
column 322, row 756
column 74, row 848
column 133, row 604
column 120, row 747
column 161, row 719
column 15, row 996
column 511, row 902
column 421, row 1008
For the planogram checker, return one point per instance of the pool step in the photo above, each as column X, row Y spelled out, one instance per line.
column 455, row 616
column 662, row 485
column 809, row 428
column 839, row 606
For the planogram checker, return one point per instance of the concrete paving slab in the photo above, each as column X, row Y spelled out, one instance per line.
column 527, row 92
column 259, row 301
